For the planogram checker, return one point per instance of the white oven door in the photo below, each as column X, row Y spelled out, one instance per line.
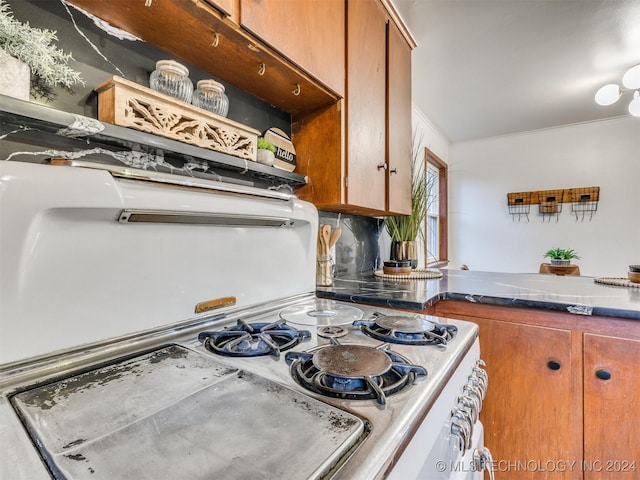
column 434, row 453
column 470, row 467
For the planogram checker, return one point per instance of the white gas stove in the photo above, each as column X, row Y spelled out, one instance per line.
column 155, row 326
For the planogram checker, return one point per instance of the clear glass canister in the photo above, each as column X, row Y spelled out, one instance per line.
column 172, row 78
column 210, row 96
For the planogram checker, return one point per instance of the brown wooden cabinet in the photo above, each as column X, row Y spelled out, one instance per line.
column 398, row 121
column 531, row 393
column 611, row 407
column 563, row 396
column 368, row 171
column 352, row 135
column 201, row 33
column 229, row 8
column 366, row 105
column 308, row 32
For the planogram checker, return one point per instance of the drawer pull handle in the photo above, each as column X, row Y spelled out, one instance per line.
column 553, row 365
column 603, row 374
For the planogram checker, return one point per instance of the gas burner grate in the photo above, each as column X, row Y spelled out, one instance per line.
column 353, row 372
column 407, row 330
column 253, row 339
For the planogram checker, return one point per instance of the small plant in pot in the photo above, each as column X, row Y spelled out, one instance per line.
column 404, row 230
column 266, row 152
column 634, row 273
column 561, row 256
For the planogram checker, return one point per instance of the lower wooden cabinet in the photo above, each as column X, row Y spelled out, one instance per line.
column 564, row 392
column 611, row 407
column 531, row 393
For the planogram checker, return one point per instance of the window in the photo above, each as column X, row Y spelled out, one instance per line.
column 436, row 221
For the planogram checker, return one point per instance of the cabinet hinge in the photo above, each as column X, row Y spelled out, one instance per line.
column 346, row 182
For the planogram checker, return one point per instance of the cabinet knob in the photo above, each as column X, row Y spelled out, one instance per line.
column 603, row 374
column 382, row 166
column 393, row 170
column 553, row 365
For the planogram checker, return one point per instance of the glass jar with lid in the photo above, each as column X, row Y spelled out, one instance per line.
column 210, row 96
column 172, row 78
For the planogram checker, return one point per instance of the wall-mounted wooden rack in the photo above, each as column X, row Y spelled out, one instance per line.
column 583, row 200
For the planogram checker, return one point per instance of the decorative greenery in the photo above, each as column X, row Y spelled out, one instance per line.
column 409, row 227
column 265, row 145
column 34, row 47
column 561, row 254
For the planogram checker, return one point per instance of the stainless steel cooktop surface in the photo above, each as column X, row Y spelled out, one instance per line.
column 176, row 413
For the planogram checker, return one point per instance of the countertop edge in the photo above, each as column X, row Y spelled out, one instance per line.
column 357, row 291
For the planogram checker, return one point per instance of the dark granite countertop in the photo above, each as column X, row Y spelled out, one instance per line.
column 574, row 294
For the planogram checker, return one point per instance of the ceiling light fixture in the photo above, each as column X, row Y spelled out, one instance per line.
column 610, row 93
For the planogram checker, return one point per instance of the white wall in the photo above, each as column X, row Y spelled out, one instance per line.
column 484, row 236
column 430, row 135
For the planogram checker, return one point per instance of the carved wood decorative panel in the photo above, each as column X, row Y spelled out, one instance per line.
column 129, row 104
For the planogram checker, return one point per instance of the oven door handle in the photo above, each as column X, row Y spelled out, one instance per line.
column 201, row 218
column 483, row 460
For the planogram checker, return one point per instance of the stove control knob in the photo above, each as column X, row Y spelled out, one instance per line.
column 474, row 393
column 468, row 404
column 462, row 420
column 462, row 436
column 481, row 375
column 480, row 378
column 478, row 384
column 457, row 437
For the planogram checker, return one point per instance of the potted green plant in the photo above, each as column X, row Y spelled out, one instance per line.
column 266, row 152
column 404, row 230
column 561, row 256
column 46, row 63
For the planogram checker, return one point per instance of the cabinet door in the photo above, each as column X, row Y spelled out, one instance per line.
column 309, row 32
column 531, row 412
column 398, row 123
column 366, row 105
column 611, row 407
column 228, row 7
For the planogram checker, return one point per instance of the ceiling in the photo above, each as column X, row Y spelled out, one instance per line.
column 493, row 67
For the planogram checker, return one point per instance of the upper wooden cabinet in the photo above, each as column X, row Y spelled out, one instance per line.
column 341, row 68
column 366, row 105
column 308, row 32
column 204, row 34
column 229, row 8
column 399, row 132
column 369, row 171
